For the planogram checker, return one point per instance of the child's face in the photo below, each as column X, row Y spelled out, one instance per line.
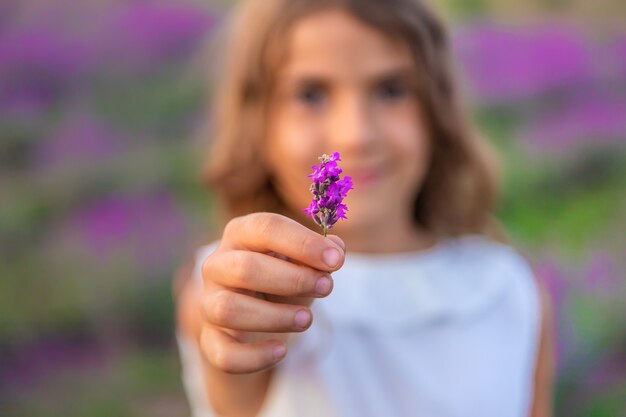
column 346, row 87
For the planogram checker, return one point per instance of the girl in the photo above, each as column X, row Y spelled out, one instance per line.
column 419, row 308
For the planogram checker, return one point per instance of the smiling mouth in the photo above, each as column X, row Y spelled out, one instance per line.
column 366, row 176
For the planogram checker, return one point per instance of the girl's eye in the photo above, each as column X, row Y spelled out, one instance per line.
column 392, row 90
column 311, row 96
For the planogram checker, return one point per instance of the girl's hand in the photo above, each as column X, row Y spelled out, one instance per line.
column 258, row 286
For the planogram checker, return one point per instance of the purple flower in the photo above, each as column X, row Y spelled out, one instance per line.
column 328, row 191
column 589, row 119
column 141, row 35
column 503, row 63
column 141, row 225
column 79, row 140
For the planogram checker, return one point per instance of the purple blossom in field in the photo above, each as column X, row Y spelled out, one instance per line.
column 22, row 368
column 39, row 66
column 328, row 191
column 590, row 120
column 150, row 227
column 80, row 139
column 23, row 104
column 601, row 275
column 618, row 53
column 511, row 63
column 48, row 51
column 143, row 34
column 609, row 372
column 36, row 52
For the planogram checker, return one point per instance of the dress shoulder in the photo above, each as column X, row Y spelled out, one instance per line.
column 459, row 280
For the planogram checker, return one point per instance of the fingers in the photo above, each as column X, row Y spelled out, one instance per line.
column 231, row 356
column 273, row 255
column 338, row 241
column 263, row 232
column 264, row 273
column 236, row 311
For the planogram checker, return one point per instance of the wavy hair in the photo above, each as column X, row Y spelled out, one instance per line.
column 461, row 187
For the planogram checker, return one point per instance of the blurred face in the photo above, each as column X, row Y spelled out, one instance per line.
column 346, row 87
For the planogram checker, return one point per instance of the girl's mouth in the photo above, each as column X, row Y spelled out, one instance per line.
column 365, row 177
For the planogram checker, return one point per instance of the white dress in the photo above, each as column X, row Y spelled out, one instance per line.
column 447, row 332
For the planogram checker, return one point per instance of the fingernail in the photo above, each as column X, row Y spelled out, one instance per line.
column 302, row 318
column 279, row 351
column 340, row 242
column 323, row 285
column 331, row 257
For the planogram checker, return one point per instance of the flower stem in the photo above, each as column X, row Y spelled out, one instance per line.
column 325, row 231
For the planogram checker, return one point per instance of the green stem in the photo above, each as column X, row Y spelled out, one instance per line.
column 325, row 231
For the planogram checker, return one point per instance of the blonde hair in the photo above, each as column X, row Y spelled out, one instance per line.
column 459, row 191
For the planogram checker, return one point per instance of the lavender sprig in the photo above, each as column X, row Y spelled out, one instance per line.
column 328, row 191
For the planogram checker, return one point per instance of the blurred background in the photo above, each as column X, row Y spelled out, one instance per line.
column 100, row 102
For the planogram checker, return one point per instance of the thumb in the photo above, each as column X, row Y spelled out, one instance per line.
column 338, row 241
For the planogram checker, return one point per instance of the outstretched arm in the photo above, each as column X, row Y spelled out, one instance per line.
column 231, row 395
column 545, row 368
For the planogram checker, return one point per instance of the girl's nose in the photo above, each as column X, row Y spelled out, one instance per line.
column 353, row 124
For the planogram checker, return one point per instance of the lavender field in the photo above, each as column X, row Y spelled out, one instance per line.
column 100, row 202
